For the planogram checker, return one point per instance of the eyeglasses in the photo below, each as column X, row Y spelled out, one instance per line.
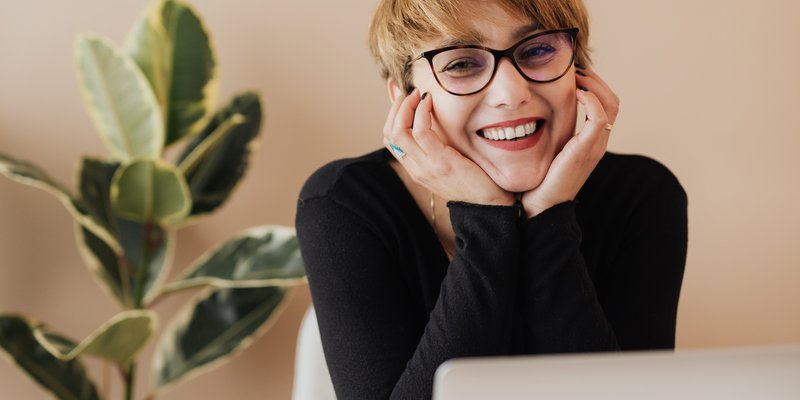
column 464, row 70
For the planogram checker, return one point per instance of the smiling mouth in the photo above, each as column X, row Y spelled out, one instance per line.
column 511, row 133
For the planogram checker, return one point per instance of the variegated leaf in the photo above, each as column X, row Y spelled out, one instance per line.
column 172, row 48
column 64, row 379
column 30, row 174
column 263, row 256
column 215, row 161
column 150, row 191
column 120, row 101
column 212, row 329
column 118, row 339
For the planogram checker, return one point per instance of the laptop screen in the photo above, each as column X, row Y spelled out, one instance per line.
column 742, row 373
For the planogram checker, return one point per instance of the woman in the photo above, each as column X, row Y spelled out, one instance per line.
column 487, row 226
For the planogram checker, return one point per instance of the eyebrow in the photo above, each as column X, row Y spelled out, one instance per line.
column 526, row 30
column 519, row 33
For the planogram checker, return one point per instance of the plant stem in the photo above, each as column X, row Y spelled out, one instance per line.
column 144, row 265
column 138, row 297
column 129, row 376
column 106, row 388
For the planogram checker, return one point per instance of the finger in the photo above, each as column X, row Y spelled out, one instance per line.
column 422, row 116
column 391, row 116
column 597, row 120
column 405, row 114
column 590, row 73
column 399, row 139
column 406, row 156
column 608, row 99
column 423, row 132
column 591, row 81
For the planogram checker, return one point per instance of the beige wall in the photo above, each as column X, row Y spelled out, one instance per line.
column 710, row 88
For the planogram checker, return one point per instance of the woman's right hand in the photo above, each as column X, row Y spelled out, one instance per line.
column 431, row 163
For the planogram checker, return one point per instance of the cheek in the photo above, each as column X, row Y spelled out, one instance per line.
column 442, row 122
column 565, row 106
column 422, row 77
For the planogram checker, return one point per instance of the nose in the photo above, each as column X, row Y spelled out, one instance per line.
column 508, row 89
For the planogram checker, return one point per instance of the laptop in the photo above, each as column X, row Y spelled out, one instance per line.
column 739, row 373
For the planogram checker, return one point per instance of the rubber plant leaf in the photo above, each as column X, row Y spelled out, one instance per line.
column 118, row 339
column 171, row 46
column 65, row 379
column 150, row 191
column 108, row 266
column 30, row 174
column 263, row 256
column 213, row 328
column 216, row 159
column 120, row 101
column 118, row 270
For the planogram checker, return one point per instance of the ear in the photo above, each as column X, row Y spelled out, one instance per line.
column 394, row 91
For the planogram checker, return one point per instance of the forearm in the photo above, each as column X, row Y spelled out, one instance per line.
column 377, row 342
column 557, row 300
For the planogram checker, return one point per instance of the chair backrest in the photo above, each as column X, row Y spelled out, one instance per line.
column 312, row 381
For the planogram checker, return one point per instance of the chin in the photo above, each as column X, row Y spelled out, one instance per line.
column 519, row 184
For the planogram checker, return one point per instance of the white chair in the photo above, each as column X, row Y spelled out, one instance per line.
column 312, row 381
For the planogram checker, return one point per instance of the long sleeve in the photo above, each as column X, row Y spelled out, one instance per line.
column 558, row 302
column 375, row 343
column 627, row 296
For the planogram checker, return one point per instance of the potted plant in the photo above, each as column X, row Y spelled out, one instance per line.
column 155, row 93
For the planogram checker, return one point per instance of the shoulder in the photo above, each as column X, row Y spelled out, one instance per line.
column 635, row 176
column 357, row 174
column 362, row 190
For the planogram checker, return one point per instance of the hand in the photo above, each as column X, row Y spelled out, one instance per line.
column 576, row 161
column 433, row 164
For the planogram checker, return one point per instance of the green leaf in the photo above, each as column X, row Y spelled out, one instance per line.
column 148, row 249
column 115, row 269
column 118, row 339
column 172, row 48
column 65, row 379
column 212, row 329
column 94, row 183
column 263, row 256
column 29, row 174
column 149, row 190
column 215, row 161
column 137, row 240
column 121, row 103
column 112, row 270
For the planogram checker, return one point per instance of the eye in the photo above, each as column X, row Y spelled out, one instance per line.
column 537, row 51
column 462, row 67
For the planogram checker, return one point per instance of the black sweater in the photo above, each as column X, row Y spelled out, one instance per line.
column 601, row 273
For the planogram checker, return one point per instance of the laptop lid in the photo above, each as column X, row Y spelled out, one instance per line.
column 742, row 373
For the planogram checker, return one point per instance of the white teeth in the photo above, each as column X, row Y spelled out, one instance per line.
column 510, row 133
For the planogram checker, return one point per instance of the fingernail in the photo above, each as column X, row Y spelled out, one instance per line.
column 579, row 72
column 424, row 95
column 583, row 88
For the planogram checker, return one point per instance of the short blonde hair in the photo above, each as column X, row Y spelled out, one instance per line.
column 400, row 27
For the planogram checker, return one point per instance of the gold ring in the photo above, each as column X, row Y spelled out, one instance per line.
column 609, row 127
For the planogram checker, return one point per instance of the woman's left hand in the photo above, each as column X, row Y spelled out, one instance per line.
column 576, row 161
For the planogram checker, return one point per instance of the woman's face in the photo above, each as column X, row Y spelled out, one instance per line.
column 508, row 101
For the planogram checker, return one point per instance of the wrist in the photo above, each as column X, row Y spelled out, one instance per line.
column 502, row 199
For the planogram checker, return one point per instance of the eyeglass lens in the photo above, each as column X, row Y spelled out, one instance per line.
column 468, row 70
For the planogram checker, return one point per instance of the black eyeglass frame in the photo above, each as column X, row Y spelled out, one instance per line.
column 498, row 54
